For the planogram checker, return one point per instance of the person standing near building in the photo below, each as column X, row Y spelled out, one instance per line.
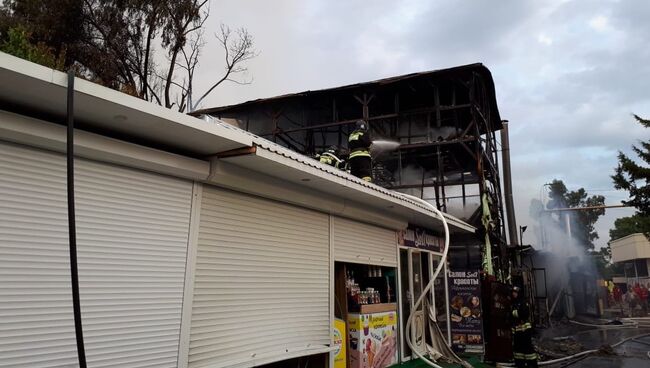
column 523, row 350
column 359, row 144
column 643, row 297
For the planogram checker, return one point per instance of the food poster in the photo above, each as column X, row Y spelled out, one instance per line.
column 339, row 343
column 465, row 310
column 373, row 340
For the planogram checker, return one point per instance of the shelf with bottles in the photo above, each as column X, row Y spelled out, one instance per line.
column 369, row 285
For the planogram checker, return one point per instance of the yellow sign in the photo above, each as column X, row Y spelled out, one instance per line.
column 373, row 340
column 339, row 342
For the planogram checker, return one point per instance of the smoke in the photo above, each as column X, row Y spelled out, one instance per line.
column 563, row 256
column 416, row 175
column 442, row 133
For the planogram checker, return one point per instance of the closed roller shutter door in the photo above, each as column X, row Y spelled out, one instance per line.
column 262, row 281
column 357, row 242
column 132, row 233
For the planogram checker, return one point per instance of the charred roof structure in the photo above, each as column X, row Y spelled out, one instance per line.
column 446, row 122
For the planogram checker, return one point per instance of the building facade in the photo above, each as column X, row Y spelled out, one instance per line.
column 199, row 244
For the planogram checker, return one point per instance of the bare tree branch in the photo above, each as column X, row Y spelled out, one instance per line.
column 237, row 51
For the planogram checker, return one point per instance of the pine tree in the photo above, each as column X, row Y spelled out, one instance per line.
column 635, row 179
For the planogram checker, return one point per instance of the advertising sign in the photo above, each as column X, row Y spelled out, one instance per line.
column 419, row 238
column 339, row 343
column 373, row 340
column 466, row 312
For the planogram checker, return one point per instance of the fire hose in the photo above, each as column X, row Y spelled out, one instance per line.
column 430, row 284
column 580, row 354
column 624, row 324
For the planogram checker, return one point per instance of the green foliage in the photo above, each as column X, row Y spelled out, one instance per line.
column 52, row 25
column 634, row 177
column 582, row 222
column 625, row 226
column 18, row 43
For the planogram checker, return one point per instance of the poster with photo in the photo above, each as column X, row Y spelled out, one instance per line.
column 465, row 311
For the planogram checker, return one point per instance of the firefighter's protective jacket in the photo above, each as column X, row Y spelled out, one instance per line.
column 329, row 159
column 359, row 143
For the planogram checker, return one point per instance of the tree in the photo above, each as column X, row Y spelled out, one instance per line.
column 51, row 24
column 583, row 221
column 18, row 44
column 635, row 179
column 147, row 48
column 625, row 226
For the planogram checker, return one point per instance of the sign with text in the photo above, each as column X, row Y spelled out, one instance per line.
column 465, row 310
column 419, row 238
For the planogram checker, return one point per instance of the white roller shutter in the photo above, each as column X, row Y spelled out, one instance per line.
column 357, row 242
column 36, row 322
column 132, row 233
column 262, row 281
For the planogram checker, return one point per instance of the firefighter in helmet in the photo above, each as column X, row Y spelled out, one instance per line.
column 359, row 144
column 523, row 350
column 330, row 157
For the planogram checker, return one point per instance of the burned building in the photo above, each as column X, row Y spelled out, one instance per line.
column 446, row 123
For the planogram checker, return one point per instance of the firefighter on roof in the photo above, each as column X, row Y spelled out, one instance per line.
column 359, row 144
column 330, row 157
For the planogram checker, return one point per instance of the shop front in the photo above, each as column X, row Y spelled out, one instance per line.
column 420, row 252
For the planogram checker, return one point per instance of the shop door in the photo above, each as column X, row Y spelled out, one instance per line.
column 417, row 284
column 412, row 284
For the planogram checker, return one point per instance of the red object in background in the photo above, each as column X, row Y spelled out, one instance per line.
column 637, row 290
column 618, row 294
column 643, row 293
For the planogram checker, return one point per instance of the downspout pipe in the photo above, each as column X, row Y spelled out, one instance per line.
column 507, row 185
column 72, row 226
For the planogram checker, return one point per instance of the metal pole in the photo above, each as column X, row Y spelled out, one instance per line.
column 507, row 185
column 72, row 226
column 447, row 306
column 587, row 208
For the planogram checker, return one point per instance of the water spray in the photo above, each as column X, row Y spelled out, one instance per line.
column 383, row 145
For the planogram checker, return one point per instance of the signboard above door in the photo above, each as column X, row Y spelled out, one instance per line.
column 417, row 237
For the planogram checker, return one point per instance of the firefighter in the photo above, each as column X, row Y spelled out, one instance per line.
column 359, row 144
column 523, row 350
column 330, row 157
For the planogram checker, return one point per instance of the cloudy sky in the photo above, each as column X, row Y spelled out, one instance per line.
column 568, row 74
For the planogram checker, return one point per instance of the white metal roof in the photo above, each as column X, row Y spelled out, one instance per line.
column 28, row 87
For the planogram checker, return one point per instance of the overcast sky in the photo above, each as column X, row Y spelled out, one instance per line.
column 568, row 74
